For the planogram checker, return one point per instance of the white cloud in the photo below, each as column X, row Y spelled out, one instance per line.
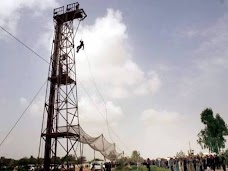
column 10, row 11
column 168, row 132
column 213, row 40
column 36, row 108
column 203, row 77
column 23, row 101
column 109, row 52
column 152, row 84
column 212, row 53
column 188, row 33
column 46, row 38
column 93, row 115
column 152, row 118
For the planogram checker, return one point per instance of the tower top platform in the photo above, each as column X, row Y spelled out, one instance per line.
column 71, row 12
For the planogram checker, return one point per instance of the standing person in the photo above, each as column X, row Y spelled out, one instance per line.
column 201, row 163
column 109, row 166
column 223, row 163
column 213, row 164
column 192, row 167
column 204, row 163
column 217, row 163
column 197, row 163
column 188, row 164
column 209, row 161
column 167, row 164
column 148, row 164
column 185, row 163
column 177, row 164
column 106, row 166
column 171, row 164
column 194, row 162
column 181, row 164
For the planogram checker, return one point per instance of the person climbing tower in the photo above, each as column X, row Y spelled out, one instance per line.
column 80, row 46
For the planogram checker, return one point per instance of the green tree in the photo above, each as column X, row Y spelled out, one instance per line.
column 32, row 160
column 212, row 136
column 81, row 159
column 70, row 158
column 56, row 160
column 123, row 161
column 2, row 162
column 180, row 154
column 23, row 161
column 135, row 157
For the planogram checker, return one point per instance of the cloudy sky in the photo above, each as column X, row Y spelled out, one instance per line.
column 157, row 64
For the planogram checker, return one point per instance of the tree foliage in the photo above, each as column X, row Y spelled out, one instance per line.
column 180, row 154
column 212, row 136
column 7, row 162
column 81, row 159
column 25, row 161
column 135, row 157
column 70, row 158
column 123, row 161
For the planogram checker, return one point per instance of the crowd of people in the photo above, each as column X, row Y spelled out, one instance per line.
column 192, row 163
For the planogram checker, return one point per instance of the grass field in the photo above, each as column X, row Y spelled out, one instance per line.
column 140, row 168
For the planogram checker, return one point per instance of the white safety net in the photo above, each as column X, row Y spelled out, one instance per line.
column 107, row 149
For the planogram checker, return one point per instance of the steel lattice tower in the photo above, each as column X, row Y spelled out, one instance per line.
column 61, row 103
